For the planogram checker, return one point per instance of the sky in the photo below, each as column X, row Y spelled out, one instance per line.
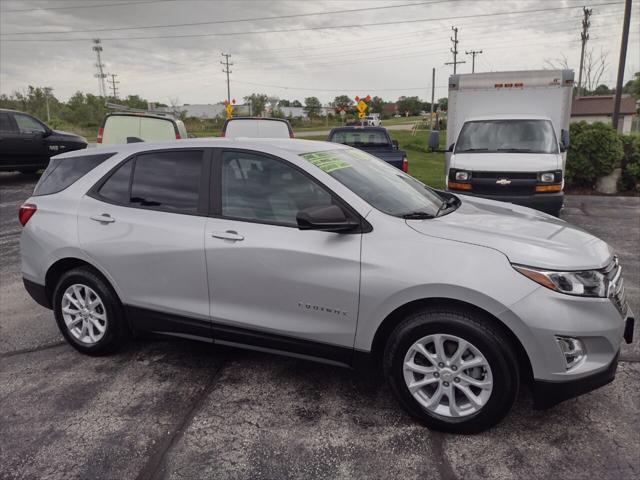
column 328, row 47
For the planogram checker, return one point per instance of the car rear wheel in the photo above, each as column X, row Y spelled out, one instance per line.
column 88, row 312
column 451, row 370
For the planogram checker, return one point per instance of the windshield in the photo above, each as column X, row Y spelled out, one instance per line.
column 361, row 138
column 530, row 136
column 384, row 187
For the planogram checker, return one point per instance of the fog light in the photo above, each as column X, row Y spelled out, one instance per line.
column 572, row 349
column 463, row 176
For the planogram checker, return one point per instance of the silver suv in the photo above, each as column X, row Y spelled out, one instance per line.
column 324, row 252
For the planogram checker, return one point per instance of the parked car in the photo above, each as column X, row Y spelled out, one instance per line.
column 373, row 140
column 324, row 252
column 256, row 127
column 27, row 144
column 124, row 127
column 507, row 136
column 373, row 120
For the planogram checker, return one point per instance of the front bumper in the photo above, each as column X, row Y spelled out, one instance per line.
column 547, row 394
column 550, row 203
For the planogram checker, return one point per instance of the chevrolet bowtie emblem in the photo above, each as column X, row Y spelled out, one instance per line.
column 503, row 181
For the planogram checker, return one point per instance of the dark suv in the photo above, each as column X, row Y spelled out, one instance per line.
column 26, row 144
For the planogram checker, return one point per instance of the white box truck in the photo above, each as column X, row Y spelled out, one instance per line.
column 507, row 134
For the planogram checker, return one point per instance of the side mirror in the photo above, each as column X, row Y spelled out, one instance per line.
column 451, row 147
column 434, row 140
column 564, row 140
column 326, row 219
column 395, row 144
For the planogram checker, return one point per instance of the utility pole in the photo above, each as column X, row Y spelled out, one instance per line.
column 97, row 47
column 454, row 50
column 584, row 36
column 226, row 70
column 47, row 92
column 433, row 95
column 473, row 54
column 621, row 62
column 114, row 82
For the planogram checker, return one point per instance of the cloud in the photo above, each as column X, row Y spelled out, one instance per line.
column 383, row 60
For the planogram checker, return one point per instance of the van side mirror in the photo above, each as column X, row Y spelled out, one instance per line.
column 564, row 140
column 396, row 145
column 327, row 219
column 434, row 140
column 451, row 147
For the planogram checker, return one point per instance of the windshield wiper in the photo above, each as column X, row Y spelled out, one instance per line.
column 514, row 149
column 473, row 150
column 417, row 215
column 446, row 203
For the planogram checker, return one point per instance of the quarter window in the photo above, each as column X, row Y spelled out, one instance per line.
column 62, row 172
column 5, row 123
column 263, row 189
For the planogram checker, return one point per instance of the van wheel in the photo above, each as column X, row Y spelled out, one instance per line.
column 451, row 371
column 88, row 312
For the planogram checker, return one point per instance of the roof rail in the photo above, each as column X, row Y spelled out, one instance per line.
column 125, row 108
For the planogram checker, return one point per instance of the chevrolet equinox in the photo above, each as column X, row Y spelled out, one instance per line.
column 324, row 252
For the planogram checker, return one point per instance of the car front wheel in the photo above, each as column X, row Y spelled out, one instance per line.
column 451, row 370
column 88, row 312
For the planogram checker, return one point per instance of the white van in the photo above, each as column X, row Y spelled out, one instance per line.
column 256, row 127
column 118, row 128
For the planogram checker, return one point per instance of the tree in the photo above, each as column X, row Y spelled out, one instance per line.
column 443, row 103
column 258, row 102
column 376, row 104
column 409, row 105
column 342, row 102
column 284, row 103
column 595, row 65
column 312, row 106
column 296, row 103
column 633, row 86
column 602, row 89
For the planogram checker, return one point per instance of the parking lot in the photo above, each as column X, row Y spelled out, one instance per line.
column 164, row 408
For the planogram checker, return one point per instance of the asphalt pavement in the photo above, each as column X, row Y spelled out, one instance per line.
column 173, row 409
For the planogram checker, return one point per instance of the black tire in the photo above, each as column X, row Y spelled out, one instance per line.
column 115, row 333
column 491, row 343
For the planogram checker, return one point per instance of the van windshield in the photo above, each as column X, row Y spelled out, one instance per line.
column 491, row 136
column 379, row 184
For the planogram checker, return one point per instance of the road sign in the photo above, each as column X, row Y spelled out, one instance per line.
column 229, row 109
column 361, row 106
column 361, row 114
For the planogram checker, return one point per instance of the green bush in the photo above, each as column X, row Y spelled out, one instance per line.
column 630, row 163
column 596, row 150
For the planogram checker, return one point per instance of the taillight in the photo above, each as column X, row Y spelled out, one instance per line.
column 26, row 212
column 405, row 165
column 222, row 133
column 178, row 137
column 291, row 135
column 100, row 132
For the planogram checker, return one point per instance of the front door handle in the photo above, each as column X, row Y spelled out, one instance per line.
column 103, row 218
column 228, row 235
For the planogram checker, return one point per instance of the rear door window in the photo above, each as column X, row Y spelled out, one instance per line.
column 256, row 129
column 118, row 127
column 156, row 129
column 63, row 172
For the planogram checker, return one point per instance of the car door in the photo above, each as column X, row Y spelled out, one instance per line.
column 279, row 286
column 144, row 226
column 10, row 141
column 34, row 149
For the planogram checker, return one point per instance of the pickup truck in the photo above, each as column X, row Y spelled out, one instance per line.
column 373, row 140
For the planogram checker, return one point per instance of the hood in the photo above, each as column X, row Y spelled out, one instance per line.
column 525, row 236
column 507, row 162
column 68, row 135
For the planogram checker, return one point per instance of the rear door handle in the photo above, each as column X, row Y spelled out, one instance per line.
column 228, row 235
column 104, row 218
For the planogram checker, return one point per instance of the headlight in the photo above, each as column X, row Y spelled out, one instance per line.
column 463, row 176
column 547, row 177
column 588, row 283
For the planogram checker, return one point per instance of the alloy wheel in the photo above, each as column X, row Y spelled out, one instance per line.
column 84, row 313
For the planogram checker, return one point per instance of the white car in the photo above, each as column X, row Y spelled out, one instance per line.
column 324, row 252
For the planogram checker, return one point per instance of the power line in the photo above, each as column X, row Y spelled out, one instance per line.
column 75, row 7
column 114, row 83
column 306, row 29
column 218, row 22
column 584, row 36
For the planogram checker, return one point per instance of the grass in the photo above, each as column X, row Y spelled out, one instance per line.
column 428, row 167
